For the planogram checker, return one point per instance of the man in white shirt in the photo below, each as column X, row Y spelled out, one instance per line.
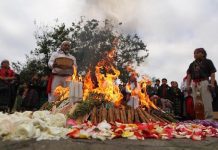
column 60, row 72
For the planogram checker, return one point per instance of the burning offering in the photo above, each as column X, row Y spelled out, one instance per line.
column 102, row 99
column 98, row 108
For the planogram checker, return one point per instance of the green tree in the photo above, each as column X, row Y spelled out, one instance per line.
column 90, row 39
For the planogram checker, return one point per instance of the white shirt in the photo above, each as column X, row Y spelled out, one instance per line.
column 60, row 71
column 183, row 87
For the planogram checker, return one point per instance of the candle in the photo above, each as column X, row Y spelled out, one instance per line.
column 76, row 89
column 80, row 86
column 71, row 90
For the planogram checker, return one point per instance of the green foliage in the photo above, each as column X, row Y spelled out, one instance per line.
column 86, row 106
column 33, row 66
column 90, row 40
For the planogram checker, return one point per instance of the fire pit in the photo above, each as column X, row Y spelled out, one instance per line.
column 105, row 101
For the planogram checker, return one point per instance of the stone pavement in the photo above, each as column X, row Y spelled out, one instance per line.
column 116, row 144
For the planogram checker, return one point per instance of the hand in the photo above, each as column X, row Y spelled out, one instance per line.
column 54, row 65
column 211, row 88
column 57, row 66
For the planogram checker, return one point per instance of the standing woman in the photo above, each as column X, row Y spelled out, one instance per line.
column 6, row 73
column 7, row 77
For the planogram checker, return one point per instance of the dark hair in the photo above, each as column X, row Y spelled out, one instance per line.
column 202, row 50
column 164, row 79
column 157, row 80
column 4, row 61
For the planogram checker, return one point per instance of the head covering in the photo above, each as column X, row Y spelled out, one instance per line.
column 65, row 42
column 65, row 51
column 201, row 50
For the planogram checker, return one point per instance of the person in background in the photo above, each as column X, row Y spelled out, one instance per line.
column 215, row 97
column 42, row 92
column 7, row 77
column 18, row 102
column 163, row 91
column 35, row 84
column 198, row 74
column 122, row 88
column 132, row 91
column 172, row 83
column 6, row 73
column 156, row 86
column 188, row 104
column 14, row 90
column 183, row 87
column 164, row 94
column 60, row 74
column 177, row 99
column 30, row 97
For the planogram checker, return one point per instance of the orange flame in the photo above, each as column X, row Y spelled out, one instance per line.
column 140, row 89
column 62, row 92
column 106, row 82
column 87, row 85
column 144, row 97
column 107, row 86
column 74, row 76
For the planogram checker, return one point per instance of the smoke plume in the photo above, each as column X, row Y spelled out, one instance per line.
column 117, row 11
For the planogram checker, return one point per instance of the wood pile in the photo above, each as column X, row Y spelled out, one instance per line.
column 128, row 115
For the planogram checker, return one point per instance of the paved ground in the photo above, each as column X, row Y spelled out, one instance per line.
column 116, row 144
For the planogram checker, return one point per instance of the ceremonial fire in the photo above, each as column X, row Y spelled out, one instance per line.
column 111, row 105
